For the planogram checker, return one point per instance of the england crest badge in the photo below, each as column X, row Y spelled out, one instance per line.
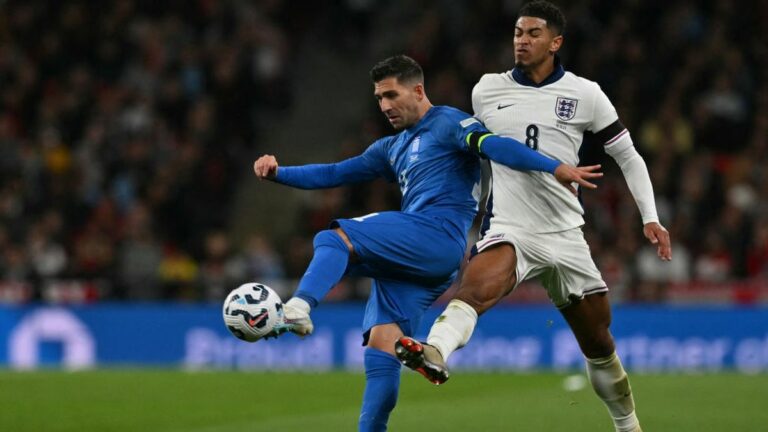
column 565, row 108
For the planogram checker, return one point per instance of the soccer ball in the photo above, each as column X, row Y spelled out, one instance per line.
column 252, row 310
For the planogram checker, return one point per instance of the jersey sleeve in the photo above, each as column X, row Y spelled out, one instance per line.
column 603, row 112
column 367, row 166
column 477, row 97
column 470, row 135
column 477, row 103
column 376, row 159
column 466, row 127
column 320, row 176
column 456, row 127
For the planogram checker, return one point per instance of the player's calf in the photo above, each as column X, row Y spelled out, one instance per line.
column 611, row 384
column 423, row 358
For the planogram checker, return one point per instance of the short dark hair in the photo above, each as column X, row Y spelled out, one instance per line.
column 402, row 67
column 546, row 11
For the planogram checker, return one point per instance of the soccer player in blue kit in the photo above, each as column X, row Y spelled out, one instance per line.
column 413, row 254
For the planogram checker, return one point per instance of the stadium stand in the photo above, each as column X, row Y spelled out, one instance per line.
column 126, row 131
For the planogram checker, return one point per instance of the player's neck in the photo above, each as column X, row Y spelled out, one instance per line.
column 424, row 107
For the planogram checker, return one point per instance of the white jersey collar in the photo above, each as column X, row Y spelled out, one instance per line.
column 519, row 76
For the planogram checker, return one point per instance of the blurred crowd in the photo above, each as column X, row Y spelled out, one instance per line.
column 118, row 120
column 122, row 125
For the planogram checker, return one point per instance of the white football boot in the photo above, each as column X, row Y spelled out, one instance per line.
column 297, row 321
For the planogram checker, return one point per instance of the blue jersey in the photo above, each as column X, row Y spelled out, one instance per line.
column 437, row 174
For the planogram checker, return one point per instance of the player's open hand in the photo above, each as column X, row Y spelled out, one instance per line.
column 265, row 167
column 659, row 236
column 568, row 174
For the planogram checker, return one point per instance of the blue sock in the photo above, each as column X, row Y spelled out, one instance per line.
column 326, row 268
column 382, row 383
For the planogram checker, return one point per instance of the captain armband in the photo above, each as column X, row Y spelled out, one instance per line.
column 475, row 141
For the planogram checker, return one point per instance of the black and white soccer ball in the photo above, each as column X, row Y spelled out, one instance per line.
column 251, row 311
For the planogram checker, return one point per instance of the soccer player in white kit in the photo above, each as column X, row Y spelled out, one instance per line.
column 533, row 224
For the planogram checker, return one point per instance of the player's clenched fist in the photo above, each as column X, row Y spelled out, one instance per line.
column 265, row 167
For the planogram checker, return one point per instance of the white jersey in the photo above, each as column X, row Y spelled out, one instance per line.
column 551, row 118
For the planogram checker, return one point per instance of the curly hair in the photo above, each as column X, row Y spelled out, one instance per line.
column 546, row 11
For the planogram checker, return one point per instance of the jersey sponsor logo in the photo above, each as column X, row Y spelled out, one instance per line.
column 565, row 108
column 468, row 121
column 502, row 106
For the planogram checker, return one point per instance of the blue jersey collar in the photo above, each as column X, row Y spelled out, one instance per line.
column 519, row 76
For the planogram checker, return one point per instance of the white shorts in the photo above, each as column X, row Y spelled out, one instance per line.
column 561, row 260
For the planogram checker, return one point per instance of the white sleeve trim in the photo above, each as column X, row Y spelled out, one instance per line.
column 635, row 173
column 616, row 138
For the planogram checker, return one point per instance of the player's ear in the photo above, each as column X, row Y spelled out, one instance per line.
column 556, row 43
column 419, row 90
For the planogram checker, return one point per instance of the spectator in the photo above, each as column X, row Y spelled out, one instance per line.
column 117, row 122
column 221, row 269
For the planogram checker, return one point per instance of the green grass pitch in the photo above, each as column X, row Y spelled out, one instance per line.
column 176, row 401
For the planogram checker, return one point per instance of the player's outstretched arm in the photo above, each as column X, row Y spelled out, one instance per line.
column 568, row 174
column 509, row 152
column 315, row 176
column 517, row 155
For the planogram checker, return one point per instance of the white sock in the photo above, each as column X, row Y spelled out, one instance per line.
column 453, row 328
column 611, row 384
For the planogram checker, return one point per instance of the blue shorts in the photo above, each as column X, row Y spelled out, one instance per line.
column 412, row 260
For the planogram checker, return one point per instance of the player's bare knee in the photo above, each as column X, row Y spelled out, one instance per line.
column 383, row 337
column 345, row 238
